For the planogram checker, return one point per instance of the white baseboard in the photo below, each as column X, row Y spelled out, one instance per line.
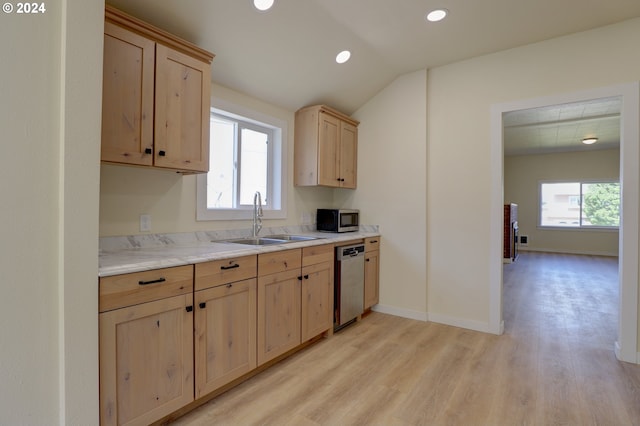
column 586, row 253
column 401, row 312
column 616, row 350
column 464, row 323
column 437, row 318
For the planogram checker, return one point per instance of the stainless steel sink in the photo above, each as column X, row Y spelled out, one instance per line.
column 250, row 241
column 288, row 237
column 269, row 239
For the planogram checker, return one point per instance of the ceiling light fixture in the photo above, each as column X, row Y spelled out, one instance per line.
column 436, row 15
column 343, row 56
column 263, row 5
column 589, row 141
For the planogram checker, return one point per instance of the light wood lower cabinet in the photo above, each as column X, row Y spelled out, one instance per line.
column 371, row 272
column 317, row 299
column 225, row 334
column 225, row 321
column 295, row 298
column 146, row 351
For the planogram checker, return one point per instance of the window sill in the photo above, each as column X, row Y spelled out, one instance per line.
column 576, row 228
column 236, row 214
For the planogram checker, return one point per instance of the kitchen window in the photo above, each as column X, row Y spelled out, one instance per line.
column 593, row 204
column 246, row 154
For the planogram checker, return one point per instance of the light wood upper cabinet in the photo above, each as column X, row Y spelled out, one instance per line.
column 151, row 76
column 146, row 349
column 326, row 148
column 127, row 96
column 183, row 87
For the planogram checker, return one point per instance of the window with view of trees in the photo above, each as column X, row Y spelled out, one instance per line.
column 580, row 204
column 246, row 152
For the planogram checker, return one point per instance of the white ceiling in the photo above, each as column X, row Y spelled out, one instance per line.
column 286, row 55
column 561, row 128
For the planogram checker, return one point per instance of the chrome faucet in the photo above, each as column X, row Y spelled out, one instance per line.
column 257, row 213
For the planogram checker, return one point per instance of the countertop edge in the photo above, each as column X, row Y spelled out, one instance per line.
column 118, row 262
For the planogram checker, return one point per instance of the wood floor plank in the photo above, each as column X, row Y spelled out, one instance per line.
column 554, row 365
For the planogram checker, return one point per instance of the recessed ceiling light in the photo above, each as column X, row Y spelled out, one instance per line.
column 436, row 15
column 263, row 5
column 589, row 141
column 343, row 56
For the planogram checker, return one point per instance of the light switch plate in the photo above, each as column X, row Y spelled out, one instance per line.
column 145, row 222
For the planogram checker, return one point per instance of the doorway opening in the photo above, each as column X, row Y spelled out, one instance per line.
column 628, row 96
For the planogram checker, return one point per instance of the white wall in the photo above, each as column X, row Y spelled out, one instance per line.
column 392, row 151
column 459, row 181
column 49, row 115
column 170, row 198
column 522, row 175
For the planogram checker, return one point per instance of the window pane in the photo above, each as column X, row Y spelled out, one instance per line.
column 220, row 179
column 560, row 204
column 601, row 204
column 253, row 173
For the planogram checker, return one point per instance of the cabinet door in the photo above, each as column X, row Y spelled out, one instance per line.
column 371, row 273
column 183, row 86
column 348, row 155
column 146, row 361
column 127, row 97
column 278, row 314
column 317, row 299
column 225, row 330
column 328, row 150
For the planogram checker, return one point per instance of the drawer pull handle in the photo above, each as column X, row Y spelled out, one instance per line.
column 224, row 268
column 373, row 241
column 159, row 280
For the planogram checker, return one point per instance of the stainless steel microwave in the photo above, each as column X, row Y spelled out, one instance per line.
column 338, row 220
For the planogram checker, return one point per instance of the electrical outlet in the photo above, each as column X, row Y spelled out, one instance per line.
column 524, row 240
column 306, row 218
column 145, row 222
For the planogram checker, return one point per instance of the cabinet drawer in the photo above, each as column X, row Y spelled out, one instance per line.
column 279, row 261
column 317, row 254
column 131, row 289
column 211, row 274
column 371, row 243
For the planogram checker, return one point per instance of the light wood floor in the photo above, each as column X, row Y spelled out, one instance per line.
column 554, row 365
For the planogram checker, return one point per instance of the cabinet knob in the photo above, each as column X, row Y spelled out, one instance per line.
column 162, row 153
column 306, row 277
column 148, row 151
column 189, row 308
column 203, row 305
column 300, row 278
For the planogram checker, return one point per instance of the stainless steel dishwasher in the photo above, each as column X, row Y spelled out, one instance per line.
column 348, row 285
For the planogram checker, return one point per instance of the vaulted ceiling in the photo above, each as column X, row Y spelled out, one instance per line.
column 285, row 56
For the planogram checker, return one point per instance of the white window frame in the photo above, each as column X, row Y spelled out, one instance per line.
column 277, row 168
column 580, row 226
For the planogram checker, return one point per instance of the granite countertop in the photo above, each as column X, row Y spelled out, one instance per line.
column 136, row 253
